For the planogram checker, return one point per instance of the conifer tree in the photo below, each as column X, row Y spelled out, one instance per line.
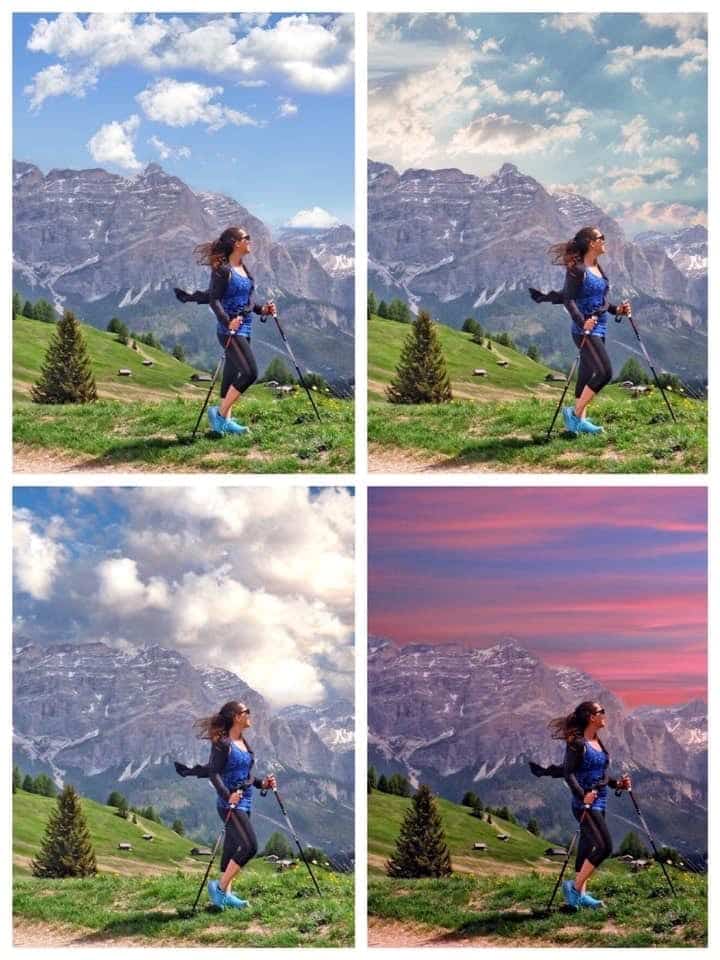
column 421, row 376
column 66, row 375
column 28, row 784
column 66, row 849
column 178, row 827
column 420, row 850
column 16, row 305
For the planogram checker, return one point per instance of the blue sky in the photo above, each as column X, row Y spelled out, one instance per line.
column 221, row 575
column 256, row 106
column 612, row 106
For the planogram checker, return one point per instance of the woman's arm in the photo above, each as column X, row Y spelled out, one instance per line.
column 218, row 758
column 219, row 279
column 574, row 277
column 574, row 753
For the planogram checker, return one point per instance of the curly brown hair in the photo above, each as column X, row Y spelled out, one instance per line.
column 213, row 253
column 568, row 253
column 573, row 726
column 218, row 725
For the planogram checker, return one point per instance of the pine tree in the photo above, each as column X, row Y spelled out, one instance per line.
column 420, row 850
column 28, row 784
column 371, row 779
column 66, row 849
column 421, row 376
column 278, row 845
column 470, row 799
column 44, row 786
column 17, row 779
column 178, row 352
column 16, row 305
column 178, row 827
column 66, row 375
column 632, row 370
column 115, row 799
column 28, row 310
column 470, row 325
column 277, row 370
column 533, row 353
column 382, row 783
column 533, row 826
column 382, row 310
column 372, row 304
column 632, row 845
column 44, row 311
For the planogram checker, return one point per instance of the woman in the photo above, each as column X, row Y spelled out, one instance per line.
column 230, row 298
column 229, row 768
column 585, row 769
column 585, row 296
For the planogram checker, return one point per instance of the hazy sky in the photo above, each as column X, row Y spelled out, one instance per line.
column 259, row 581
column 609, row 580
column 256, row 106
column 613, row 106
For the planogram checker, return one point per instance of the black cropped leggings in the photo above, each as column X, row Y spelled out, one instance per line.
column 595, row 370
column 240, row 841
column 595, row 843
column 240, row 370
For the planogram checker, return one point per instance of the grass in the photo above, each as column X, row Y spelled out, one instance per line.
column 166, row 852
column 507, row 430
column 143, row 430
column 500, row 895
column 146, row 894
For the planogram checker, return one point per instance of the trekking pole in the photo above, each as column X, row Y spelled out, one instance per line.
column 574, row 840
column 576, row 363
column 191, row 438
column 650, row 364
column 212, row 858
column 650, row 838
column 295, row 838
column 288, row 348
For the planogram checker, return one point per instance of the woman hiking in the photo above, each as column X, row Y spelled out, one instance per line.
column 585, row 770
column 229, row 768
column 585, row 296
column 230, row 298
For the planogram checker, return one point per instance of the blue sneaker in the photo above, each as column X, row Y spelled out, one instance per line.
column 572, row 897
column 587, row 426
column 232, row 901
column 232, row 426
column 216, row 421
column 587, row 901
column 572, row 424
column 217, row 896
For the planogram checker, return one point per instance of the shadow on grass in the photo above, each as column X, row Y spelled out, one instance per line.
column 508, row 923
column 503, row 449
column 152, row 449
column 151, row 925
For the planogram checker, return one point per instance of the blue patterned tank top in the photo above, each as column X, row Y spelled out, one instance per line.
column 238, row 297
column 592, row 296
column 237, row 770
column 593, row 767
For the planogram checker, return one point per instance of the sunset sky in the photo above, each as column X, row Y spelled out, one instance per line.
column 612, row 581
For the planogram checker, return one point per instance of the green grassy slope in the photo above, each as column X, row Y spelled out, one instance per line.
column 144, row 896
column 167, row 852
column 138, row 421
column 521, row 377
column 507, row 430
column 524, row 850
column 166, row 378
column 499, row 897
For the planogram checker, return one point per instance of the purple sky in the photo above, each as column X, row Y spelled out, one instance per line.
column 612, row 581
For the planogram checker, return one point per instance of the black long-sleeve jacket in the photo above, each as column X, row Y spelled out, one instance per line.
column 574, row 277
column 219, row 753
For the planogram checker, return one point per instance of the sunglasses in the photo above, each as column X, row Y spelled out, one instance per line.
column 600, row 236
column 240, row 239
column 600, row 712
column 243, row 712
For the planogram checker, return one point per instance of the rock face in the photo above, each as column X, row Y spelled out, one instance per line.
column 453, row 716
column 117, row 719
column 463, row 244
column 104, row 244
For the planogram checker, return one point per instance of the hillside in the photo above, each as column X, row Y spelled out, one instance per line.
column 165, row 853
column 499, row 422
column 499, row 897
column 139, row 421
column 143, row 898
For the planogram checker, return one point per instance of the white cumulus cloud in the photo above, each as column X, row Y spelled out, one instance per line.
column 38, row 556
column 314, row 218
column 56, row 80
column 166, row 152
column 114, row 143
column 181, row 104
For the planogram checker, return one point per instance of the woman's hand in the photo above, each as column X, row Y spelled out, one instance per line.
column 235, row 798
column 624, row 783
column 269, row 309
column 590, row 798
column 624, row 308
column 235, row 323
column 590, row 324
column 269, row 782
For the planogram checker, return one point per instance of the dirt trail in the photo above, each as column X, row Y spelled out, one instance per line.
column 34, row 933
column 393, row 933
column 384, row 458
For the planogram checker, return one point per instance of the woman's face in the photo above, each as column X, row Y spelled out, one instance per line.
column 242, row 719
column 242, row 245
column 597, row 244
column 598, row 718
